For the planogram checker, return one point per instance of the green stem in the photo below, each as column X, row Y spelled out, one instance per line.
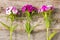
column 10, row 35
column 47, row 24
column 11, row 30
column 47, row 33
column 28, row 36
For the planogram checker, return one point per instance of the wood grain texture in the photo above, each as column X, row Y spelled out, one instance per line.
column 39, row 33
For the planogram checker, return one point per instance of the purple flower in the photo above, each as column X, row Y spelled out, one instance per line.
column 11, row 9
column 28, row 8
column 45, row 8
column 24, row 8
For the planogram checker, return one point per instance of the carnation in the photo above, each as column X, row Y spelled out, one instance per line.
column 45, row 8
column 11, row 9
column 28, row 8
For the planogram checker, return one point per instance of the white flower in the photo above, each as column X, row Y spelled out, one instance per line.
column 11, row 9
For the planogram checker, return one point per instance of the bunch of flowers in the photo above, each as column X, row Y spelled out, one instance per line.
column 29, row 10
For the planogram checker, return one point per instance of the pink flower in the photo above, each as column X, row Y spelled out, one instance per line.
column 45, row 8
column 23, row 8
column 50, row 7
column 11, row 9
column 28, row 8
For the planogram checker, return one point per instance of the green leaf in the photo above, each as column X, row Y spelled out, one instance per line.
column 6, row 26
column 28, row 15
column 28, row 27
column 12, row 16
column 52, row 35
column 47, row 23
column 12, row 28
column 47, row 20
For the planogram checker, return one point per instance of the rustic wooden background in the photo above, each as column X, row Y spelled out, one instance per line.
column 39, row 32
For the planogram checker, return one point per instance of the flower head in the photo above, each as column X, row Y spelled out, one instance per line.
column 11, row 9
column 45, row 8
column 28, row 8
column 50, row 7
